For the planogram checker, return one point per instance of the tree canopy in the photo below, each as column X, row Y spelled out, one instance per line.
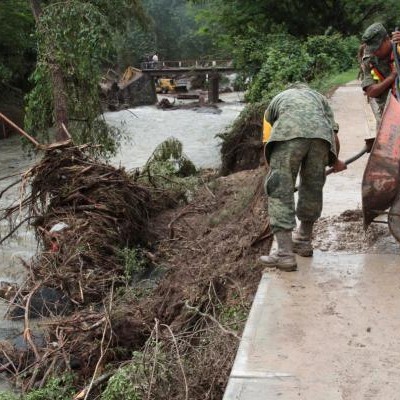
column 173, row 33
column 74, row 41
column 277, row 41
column 248, row 18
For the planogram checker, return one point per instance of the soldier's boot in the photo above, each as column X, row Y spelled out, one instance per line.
column 302, row 239
column 283, row 259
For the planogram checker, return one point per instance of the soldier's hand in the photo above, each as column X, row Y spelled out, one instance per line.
column 393, row 74
column 396, row 37
column 339, row 165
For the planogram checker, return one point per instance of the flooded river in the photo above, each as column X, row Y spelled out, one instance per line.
column 146, row 127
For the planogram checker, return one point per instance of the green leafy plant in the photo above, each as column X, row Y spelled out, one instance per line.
column 17, row 43
column 60, row 388
column 75, row 42
column 128, row 383
column 133, row 262
column 170, row 155
column 9, row 396
column 168, row 168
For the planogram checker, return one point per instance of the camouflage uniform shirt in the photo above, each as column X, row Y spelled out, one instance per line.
column 301, row 113
column 384, row 67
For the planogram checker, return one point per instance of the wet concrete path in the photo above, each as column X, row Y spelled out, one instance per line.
column 342, row 191
column 330, row 330
column 327, row 332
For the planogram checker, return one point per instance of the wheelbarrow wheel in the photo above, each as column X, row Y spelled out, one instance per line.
column 394, row 218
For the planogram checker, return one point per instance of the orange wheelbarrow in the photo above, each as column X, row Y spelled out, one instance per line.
column 381, row 180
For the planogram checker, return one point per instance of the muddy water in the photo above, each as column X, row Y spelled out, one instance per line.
column 149, row 126
column 22, row 244
column 144, row 128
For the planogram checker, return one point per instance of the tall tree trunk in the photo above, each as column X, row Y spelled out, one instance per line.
column 36, row 9
column 60, row 102
column 58, row 83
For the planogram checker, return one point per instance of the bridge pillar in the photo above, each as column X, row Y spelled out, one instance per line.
column 213, row 88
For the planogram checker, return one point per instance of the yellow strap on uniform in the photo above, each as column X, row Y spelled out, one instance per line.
column 375, row 76
column 266, row 131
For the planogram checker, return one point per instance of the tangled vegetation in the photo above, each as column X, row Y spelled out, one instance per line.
column 241, row 146
column 156, row 290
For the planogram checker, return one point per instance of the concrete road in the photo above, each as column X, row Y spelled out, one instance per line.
column 342, row 191
column 329, row 331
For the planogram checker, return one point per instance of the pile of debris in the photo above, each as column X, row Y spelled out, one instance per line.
column 84, row 212
column 181, row 325
column 241, row 144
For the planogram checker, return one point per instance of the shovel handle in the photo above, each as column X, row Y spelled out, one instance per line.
column 351, row 159
column 364, row 150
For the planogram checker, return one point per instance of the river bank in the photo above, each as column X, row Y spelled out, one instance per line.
column 144, row 128
column 217, row 216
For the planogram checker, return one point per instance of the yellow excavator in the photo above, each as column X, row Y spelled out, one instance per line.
column 130, row 74
column 165, row 85
column 171, row 85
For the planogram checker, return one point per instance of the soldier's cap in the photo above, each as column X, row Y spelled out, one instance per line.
column 373, row 37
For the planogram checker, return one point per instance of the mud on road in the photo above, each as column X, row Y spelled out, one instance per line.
column 345, row 233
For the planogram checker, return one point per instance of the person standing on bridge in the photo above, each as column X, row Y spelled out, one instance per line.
column 378, row 65
column 155, row 61
column 303, row 140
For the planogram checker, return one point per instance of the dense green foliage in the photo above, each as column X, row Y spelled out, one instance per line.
column 175, row 27
column 274, row 42
column 228, row 20
column 286, row 59
column 129, row 382
column 172, row 34
column 74, row 38
column 16, row 43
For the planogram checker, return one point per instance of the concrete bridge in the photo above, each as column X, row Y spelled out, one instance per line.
column 213, row 68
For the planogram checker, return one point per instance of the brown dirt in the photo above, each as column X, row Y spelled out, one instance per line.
column 345, row 232
column 211, row 266
column 200, row 306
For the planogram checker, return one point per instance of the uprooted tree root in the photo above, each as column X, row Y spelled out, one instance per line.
column 183, row 331
column 83, row 212
column 241, row 143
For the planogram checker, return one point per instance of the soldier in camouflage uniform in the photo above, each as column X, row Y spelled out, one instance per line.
column 363, row 58
column 303, row 138
column 378, row 65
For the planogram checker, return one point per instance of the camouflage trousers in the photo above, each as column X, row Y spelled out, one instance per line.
column 308, row 159
column 377, row 111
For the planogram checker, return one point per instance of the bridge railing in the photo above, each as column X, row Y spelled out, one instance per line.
column 185, row 64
